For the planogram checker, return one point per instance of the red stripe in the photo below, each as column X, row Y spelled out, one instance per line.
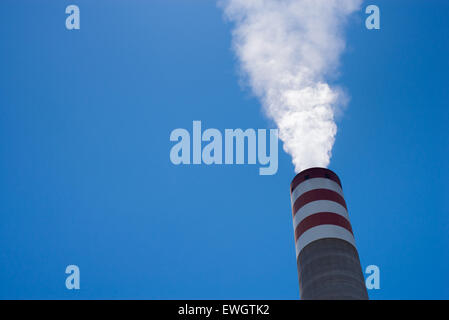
column 313, row 173
column 321, row 218
column 317, row 194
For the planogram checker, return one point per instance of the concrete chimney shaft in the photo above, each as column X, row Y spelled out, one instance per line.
column 326, row 254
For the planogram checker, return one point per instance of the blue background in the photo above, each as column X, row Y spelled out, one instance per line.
column 86, row 179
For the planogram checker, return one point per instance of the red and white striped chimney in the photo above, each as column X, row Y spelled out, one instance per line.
column 326, row 254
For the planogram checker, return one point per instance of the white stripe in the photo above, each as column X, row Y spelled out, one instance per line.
column 319, row 206
column 322, row 232
column 315, row 183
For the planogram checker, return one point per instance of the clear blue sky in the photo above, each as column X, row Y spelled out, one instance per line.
column 86, row 179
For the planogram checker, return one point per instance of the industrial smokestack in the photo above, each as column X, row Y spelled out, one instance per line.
column 326, row 255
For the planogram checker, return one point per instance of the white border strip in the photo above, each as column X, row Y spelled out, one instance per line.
column 322, row 232
column 315, row 183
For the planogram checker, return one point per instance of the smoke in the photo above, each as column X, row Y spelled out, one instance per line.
column 286, row 49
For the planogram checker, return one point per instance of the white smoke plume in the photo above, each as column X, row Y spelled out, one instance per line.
column 286, row 49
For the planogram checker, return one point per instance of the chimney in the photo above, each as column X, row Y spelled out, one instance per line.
column 326, row 254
